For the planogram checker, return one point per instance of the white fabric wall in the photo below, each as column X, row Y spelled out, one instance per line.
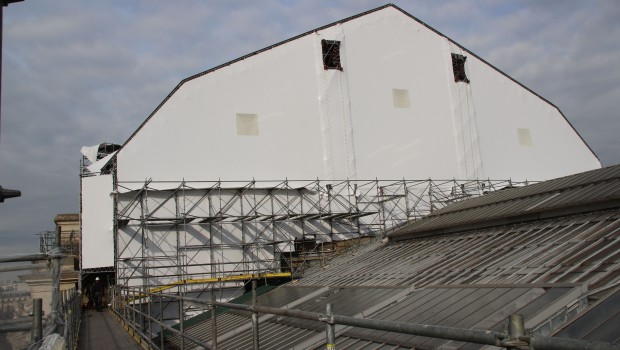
column 194, row 133
column 97, row 221
column 387, row 50
column 502, row 107
column 316, row 123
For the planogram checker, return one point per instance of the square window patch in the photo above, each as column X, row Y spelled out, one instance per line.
column 247, row 124
column 525, row 137
column 400, row 98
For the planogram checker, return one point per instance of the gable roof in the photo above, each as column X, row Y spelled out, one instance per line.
column 333, row 24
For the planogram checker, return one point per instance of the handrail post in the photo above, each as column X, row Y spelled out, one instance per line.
column 126, row 308
column 69, row 323
column 113, row 296
column 329, row 328
column 181, row 321
column 150, row 314
column 516, row 326
column 161, row 320
column 37, row 321
column 516, row 330
column 213, row 321
column 118, row 294
column 254, row 317
column 56, row 302
column 133, row 312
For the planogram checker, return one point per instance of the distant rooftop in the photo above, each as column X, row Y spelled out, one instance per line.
column 66, row 217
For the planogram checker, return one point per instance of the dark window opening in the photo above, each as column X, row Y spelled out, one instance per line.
column 458, row 67
column 331, row 54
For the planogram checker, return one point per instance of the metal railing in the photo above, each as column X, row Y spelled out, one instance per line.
column 72, row 312
column 135, row 307
column 66, row 323
column 69, row 242
column 64, row 319
column 66, row 306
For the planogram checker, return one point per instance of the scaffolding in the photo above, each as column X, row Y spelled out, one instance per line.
column 220, row 234
column 70, row 242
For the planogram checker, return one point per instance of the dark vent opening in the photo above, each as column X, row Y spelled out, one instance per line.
column 458, row 67
column 331, row 54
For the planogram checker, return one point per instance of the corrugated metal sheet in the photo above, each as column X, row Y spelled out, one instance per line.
column 484, row 308
column 200, row 327
column 590, row 188
column 601, row 322
column 272, row 336
column 276, row 331
column 474, row 307
column 573, row 249
column 587, row 178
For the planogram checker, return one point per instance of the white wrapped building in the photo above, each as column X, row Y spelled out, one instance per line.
column 330, row 135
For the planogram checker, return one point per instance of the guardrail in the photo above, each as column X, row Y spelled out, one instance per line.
column 135, row 306
column 65, row 322
column 72, row 312
column 66, row 306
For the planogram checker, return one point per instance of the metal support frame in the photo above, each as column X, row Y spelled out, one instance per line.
column 190, row 230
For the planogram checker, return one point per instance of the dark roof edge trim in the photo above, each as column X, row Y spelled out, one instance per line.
column 330, row 25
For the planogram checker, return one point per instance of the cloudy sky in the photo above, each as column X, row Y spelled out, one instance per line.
column 81, row 72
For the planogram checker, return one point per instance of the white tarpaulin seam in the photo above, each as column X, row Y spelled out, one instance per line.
column 325, row 80
column 463, row 121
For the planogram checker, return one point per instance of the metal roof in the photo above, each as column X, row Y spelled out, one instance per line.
column 588, row 191
column 474, row 306
column 233, row 325
column 600, row 322
column 577, row 249
column 552, row 269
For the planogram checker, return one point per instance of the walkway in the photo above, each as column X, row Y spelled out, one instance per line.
column 99, row 330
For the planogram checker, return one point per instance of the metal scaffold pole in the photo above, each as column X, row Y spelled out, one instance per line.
column 193, row 233
column 254, row 318
column 56, row 304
